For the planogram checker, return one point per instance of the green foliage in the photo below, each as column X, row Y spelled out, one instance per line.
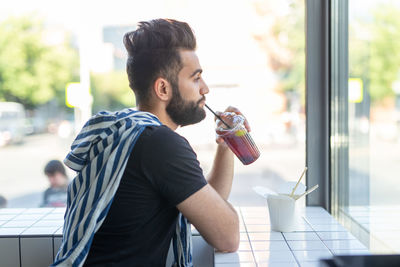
column 384, row 61
column 373, row 47
column 373, row 51
column 284, row 43
column 111, row 91
column 32, row 72
column 290, row 33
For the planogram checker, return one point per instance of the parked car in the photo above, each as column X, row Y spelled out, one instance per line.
column 12, row 123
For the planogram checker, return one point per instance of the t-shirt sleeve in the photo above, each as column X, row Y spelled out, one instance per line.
column 172, row 166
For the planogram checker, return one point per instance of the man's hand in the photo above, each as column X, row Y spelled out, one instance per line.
column 221, row 174
column 219, row 140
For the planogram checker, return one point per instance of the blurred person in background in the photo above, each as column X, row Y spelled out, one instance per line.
column 137, row 179
column 56, row 194
column 3, row 202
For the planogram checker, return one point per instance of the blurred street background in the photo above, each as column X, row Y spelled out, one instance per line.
column 23, row 180
column 62, row 61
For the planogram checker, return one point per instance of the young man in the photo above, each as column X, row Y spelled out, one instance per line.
column 56, row 194
column 161, row 177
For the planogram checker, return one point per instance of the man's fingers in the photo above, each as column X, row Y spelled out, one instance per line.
column 234, row 110
column 246, row 124
column 237, row 111
column 219, row 113
column 219, row 140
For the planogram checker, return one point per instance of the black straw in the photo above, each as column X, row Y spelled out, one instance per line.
column 227, row 125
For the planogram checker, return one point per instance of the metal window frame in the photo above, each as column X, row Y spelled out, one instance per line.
column 318, row 79
column 339, row 120
column 327, row 130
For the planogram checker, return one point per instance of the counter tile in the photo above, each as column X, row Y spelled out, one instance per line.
column 301, row 236
column 266, row 236
column 235, row 257
column 274, row 256
column 11, row 231
column 312, row 255
column 9, row 251
column 344, row 244
column 335, row 235
column 307, row 245
column 14, row 224
column 257, row 228
column 269, row 246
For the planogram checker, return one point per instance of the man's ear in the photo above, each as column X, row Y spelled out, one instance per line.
column 162, row 89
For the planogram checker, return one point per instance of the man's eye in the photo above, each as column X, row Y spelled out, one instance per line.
column 197, row 78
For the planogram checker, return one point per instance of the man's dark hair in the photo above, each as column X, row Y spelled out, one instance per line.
column 153, row 52
column 54, row 166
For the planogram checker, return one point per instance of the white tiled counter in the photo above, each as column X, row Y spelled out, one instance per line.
column 30, row 237
column 318, row 235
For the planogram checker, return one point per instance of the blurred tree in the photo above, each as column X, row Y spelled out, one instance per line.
column 373, row 50
column 31, row 71
column 384, row 61
column 111, row 91
column 283, row 40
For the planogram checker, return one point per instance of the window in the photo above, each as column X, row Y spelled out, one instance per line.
column 365, row 122
column 253, row 57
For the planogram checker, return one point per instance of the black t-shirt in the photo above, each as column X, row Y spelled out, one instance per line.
column 161, row 172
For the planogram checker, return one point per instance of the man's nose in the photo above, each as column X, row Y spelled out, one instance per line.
column 204, row 89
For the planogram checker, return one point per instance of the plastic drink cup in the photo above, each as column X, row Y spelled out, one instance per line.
column 237, row 138
column 283, row 214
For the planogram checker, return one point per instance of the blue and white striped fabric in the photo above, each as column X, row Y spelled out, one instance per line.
column 99, row 154
column 182, row 243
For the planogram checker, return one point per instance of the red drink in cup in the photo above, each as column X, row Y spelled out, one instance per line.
column 237, row 138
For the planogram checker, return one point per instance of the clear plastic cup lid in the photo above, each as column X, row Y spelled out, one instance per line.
column 234, row 120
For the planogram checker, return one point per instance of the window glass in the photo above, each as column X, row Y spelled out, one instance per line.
column 252, row 54
column 374, row 121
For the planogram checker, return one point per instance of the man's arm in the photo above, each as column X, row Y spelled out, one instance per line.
column 208, row 209
column 213, row 217
column 221, row 175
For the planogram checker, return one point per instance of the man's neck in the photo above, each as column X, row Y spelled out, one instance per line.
column 162, row 115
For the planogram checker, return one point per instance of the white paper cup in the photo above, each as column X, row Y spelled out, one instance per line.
column 283, row 214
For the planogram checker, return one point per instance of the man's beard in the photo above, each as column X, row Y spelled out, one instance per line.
column 184, row 112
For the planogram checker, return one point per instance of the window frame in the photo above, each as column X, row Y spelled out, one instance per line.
column 327, row 122
column 317, row 102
